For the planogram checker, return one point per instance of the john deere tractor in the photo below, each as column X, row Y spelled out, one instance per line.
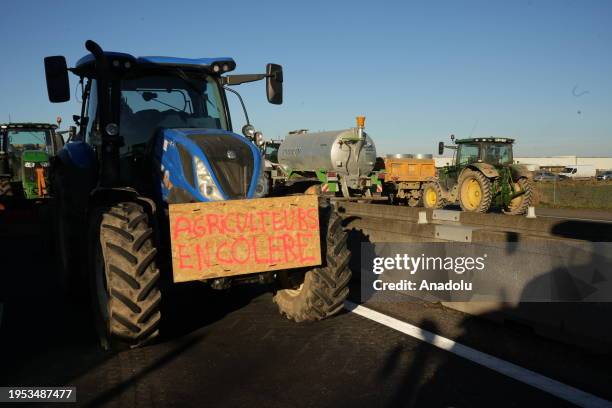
column 25, row 150
column 481, row 176
column 155, row 136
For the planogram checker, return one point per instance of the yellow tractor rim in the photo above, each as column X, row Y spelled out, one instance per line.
column 517, row 201
column 431, row 197
column 471, row 193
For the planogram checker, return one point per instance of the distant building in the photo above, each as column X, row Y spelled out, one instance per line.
column 552, row 163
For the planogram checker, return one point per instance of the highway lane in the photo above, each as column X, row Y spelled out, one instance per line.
column 233, row 349
column 249, row 356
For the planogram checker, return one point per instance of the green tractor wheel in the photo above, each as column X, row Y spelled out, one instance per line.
column 520, row 204
column 474, row 191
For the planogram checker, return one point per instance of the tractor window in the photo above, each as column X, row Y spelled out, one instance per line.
column 166, row 101
column 91, row 132
column 497, row 153
column 271, row 153
column 468, row 154
column 22, row 140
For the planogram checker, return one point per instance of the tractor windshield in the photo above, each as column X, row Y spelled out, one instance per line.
column 168, row 101
column 499, row 154
column 271, row 152
column 468, row 153
column 26, row 139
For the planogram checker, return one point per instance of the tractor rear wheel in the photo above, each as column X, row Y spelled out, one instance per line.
column 124, row 278
column 318, row 293
column 474, row 191
column 520, row 204
column 432, row 196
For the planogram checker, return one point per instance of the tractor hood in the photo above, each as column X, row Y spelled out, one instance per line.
column 35, row 156
column 208, row 165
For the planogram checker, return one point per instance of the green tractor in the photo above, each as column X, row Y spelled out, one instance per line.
column 25, row 150
column 482, row 175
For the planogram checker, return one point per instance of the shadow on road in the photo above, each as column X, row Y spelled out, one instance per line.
column 49, row 339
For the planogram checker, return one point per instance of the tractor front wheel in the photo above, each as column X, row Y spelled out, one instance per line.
column 520, row 204
column 474, row 191
column 124, row 277
column 318, row 293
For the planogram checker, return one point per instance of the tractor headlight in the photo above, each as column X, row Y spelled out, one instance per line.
column 29, row 164
column 206, row 185
column 261, row 188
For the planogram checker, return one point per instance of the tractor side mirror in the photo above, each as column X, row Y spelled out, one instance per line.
column 440, row 148
column 56, row 73
column 274, row 83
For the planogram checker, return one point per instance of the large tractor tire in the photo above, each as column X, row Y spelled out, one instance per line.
column 5, row 188
column 318, row 293
column 432, row 196
column 475, row 193
column 520, row 204
column 124, row 277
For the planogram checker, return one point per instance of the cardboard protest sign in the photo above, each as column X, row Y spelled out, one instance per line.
column 226, row 238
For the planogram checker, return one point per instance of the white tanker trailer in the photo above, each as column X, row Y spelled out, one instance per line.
column 329, row 162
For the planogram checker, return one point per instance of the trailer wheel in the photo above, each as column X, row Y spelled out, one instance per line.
column 318, row 293
column 432, row 196
column 520, row 204
column 124, row 283
column 474, row 191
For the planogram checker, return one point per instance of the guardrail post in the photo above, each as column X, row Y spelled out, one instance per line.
column 531, row 212
column 422, row 217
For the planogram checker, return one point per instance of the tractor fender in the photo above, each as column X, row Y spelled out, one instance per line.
column 78, row 153
column 518, row 171
column 111, row 195
column 485, row 168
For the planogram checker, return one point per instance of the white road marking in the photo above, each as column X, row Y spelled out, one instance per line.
column 506, row 368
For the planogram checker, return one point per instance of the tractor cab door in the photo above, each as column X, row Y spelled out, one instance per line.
column 466, row 154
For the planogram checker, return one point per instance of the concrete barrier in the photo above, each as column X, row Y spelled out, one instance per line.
column 584, row 324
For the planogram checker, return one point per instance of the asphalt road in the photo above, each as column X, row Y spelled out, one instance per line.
column 575, row 214
column 231, row 349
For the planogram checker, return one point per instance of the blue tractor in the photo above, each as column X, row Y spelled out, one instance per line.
column 152, row 132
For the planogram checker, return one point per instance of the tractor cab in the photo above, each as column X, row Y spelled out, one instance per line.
column 494, row 151
column 25, row 152
column 167, row 117
column 481, row 174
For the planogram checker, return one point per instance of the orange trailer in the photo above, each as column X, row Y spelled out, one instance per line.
column 405, row 176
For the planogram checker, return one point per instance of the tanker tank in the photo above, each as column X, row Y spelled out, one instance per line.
column 340, row 151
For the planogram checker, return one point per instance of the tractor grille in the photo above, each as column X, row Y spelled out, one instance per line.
column 231, row 160
column 29, row 174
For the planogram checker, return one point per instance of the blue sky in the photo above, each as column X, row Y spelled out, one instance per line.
column 539, row 71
